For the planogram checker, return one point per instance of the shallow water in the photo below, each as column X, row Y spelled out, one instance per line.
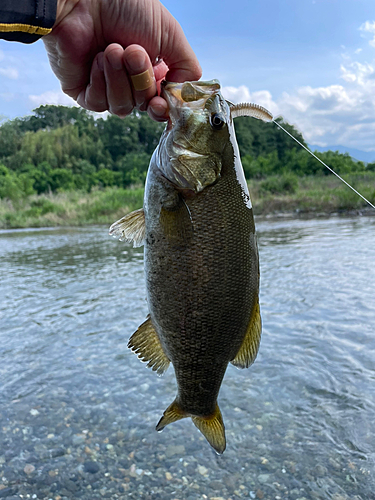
column 78, row 410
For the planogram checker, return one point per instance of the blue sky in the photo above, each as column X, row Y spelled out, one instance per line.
column 313, row 61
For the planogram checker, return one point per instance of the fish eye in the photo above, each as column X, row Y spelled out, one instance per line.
column 217, row 121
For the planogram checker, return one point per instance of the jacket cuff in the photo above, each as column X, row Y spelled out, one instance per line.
column 26, row 20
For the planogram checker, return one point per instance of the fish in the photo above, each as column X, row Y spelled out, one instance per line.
column 200, row 254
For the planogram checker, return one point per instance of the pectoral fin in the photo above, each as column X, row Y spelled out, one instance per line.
column 146, row 344
column 177, row 223
column 250, row 345
column 130, row 228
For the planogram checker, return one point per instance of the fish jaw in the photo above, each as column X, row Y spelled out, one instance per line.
column 190, row 150
column 193, row 95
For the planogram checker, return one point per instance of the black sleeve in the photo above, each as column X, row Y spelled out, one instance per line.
column 26, row 20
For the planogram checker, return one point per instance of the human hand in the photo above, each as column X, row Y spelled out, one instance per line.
column 96, row 46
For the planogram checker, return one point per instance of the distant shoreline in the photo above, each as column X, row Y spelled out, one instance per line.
column 280, row 196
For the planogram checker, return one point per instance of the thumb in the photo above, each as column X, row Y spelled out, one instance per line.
column 176, row 51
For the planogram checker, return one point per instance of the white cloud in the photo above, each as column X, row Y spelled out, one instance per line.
column 58, row 98
column 336, row 114
column 9, row 72
column 52, row 97
column 339, row 114
column 347, row 75
column 369, row 27
column 242, row 94
column 236, row 94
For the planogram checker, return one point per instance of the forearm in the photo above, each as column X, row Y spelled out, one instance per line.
column 26, row 20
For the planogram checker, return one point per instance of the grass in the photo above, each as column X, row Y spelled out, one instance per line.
column 276, row 194
column 312, row 194
column 73, row 208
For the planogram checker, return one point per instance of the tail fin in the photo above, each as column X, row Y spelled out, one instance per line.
column 212, row 426
column 171, row 414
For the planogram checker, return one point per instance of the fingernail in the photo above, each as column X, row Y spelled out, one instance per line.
column 114, row 60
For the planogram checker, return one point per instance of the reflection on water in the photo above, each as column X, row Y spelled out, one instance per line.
column 77, row 410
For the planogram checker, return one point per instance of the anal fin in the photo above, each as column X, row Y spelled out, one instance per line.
column 131, row 228
column 250, row 345
column 146, row 344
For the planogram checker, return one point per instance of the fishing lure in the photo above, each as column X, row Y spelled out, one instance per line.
column 256, row 111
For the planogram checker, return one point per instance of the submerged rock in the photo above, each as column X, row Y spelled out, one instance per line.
column 91, row 467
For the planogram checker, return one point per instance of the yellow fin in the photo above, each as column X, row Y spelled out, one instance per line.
column 250, row 345
column 146, row 344
column 213, row 429
column 171, row 414
column 131, row 228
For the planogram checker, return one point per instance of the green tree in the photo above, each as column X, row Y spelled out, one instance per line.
column 133, row 168
column 48, row 117
column 63, row 148
column 12, row 186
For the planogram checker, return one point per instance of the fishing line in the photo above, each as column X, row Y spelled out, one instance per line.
column 322, row 162
column 257, row 111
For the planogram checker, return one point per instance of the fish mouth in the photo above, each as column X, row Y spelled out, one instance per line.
column 191, row 95
column 185, row 158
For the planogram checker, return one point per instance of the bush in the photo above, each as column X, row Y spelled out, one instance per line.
column 42, row 206
column 61, row 179
column 260, row 167
column 134, row 168
column 108, row 178
column 280, row 184
column 12, row 186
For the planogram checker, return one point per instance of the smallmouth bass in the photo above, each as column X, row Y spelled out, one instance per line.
column 201, row 256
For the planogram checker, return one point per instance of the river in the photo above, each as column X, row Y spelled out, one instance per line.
column 78, row 409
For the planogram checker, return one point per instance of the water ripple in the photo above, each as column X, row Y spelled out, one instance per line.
column 70, row 299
